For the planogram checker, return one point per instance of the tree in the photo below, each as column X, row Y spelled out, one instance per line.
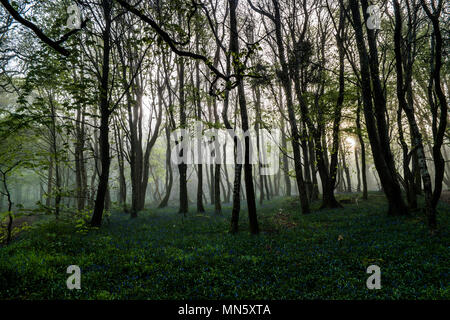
column 287, row 86
column 441, row 103
column 376, row 127
column 234, row 51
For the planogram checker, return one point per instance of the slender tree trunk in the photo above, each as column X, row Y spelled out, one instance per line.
column 217, row 199
column 438, row 130
column 121, row 161
column 376, row 128
column 291, row 113
column 249, row 188
column 182, row 168
column 169, row 173
column 358, row 171
column 363, row 150
column 228, row 193
column 287, row 178
column 79, row 160
column 48, row 200
column 212, row 184
column 200, row 207
column 55, row 156
column 430, row 210
column 257, row 98
column 96, row 220
column 315, row 194
column 346, row 170
column 10, row 203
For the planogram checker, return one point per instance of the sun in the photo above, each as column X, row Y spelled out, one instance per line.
column 350, row 141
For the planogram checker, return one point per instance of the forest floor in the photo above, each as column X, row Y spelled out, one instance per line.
column 162, row 255
column 445, row 196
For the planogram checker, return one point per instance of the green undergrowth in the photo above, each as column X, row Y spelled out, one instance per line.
column 163, row 255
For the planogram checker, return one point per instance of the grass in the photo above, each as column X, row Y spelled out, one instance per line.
column 161, row 255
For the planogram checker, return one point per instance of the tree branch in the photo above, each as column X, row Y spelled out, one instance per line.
column 56, row 45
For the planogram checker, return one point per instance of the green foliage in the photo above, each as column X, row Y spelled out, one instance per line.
column 81, row 219
column 161, row 255
column 15, row 230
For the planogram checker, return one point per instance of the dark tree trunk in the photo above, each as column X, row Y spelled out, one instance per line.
column 48, row 200
column 363, row 150
column 169, row 173
column 200, row 207
column 346, row 170
column 315, row 194
column 358, row 171
column 290, row 107
column 249, row 188
column 408, row 179
column 217, row 168
column 416, row 173
column 96, row 220
column 376, row 128
column 217, row 180
column 327, row 174
column 122, row 188
column 211, row 181
column 438, row 130
column 257, row 95
column 80, row 168
column 121, row 161
column 287, row 177
column 182, row 168
column 234, row 227
column 228, row 193
column 10, row 204
column 430, row 210
column 55, row 156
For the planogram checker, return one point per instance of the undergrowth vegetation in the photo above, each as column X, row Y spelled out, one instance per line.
column 162, row 255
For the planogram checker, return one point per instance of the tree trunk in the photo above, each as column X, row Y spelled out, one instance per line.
column 48, row 200
column 200, row 207
column 438, row 131
column 249, row 188
column 358, row 171
column 376, row 128
column 363, row 150
column 169, row 173
column 291, row 113
column 96, row 220
column 430, row 210
column 182, row 168
column 121, row 161
column 287, row 177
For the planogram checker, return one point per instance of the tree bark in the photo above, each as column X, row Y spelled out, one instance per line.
column 96, row 220
column 169, row 173
column 430, row 210
column 249, row 188
column 290, row 107
column 182, row 168
column 438, row 130
column 363, row 150
column 376, row 128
